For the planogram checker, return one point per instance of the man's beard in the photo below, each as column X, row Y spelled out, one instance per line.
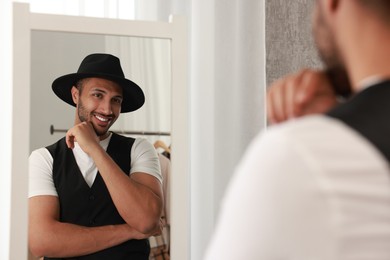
column 330, row 56
column 84, row 117
column 339, row 79
column 335, row 70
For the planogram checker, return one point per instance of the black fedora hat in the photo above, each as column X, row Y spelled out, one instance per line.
column 101, row 65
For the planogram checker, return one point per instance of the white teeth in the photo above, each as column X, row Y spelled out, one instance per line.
column 101, row 118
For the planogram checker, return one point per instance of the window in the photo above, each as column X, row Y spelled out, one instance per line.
column 121, row 9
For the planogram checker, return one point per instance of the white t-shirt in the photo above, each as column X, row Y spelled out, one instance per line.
column 143, row 159
column 311, row 188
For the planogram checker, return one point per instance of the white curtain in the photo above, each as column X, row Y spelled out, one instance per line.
column 148, row 64
column 122, row 9
column 227, row 86
column 228, row 74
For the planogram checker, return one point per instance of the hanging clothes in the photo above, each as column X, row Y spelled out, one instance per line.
column 159, row 245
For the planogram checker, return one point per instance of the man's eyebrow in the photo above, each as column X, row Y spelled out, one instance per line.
column 98, row 90
column 105, row 92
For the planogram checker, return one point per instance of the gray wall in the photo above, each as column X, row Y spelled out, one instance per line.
column 289, row 43
column 50, row 56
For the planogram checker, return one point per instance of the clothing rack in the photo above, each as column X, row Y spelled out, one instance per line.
column 53, row 130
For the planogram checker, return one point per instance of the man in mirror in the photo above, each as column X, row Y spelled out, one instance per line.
column 95, row 194
column 316, row 185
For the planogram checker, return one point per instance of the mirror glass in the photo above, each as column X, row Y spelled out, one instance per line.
column 48, row 46
column 146, row 61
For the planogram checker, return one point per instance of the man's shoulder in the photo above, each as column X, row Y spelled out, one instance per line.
column 313, row 126
column 59, row 144
column 41, row 154
column 318, row 136
column 141, row 141
column 138, row 144
column 310, row 135
column 45, row 150
column 120, row 136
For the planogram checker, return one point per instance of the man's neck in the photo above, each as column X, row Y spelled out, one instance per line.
column 104, row 136
column 363, row 40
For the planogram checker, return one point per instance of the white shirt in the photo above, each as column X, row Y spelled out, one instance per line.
column 311, row 188
column 143, row 159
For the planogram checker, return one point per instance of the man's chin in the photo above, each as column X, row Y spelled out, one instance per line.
column 100, row 132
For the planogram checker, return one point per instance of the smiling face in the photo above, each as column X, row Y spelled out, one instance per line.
column 98, row 101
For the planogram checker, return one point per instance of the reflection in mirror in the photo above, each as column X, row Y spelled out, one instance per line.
column 146, row 61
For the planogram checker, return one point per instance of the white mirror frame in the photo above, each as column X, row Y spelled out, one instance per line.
column 176, row 31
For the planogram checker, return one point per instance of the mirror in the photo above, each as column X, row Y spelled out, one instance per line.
column 36, row 65
column 145, row 61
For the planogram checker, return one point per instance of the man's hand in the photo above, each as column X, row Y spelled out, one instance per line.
column 303, row 93
column 84, row 135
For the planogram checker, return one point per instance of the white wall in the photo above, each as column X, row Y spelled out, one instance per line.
column 6, row 128
column 14, row 137
column 54, row 54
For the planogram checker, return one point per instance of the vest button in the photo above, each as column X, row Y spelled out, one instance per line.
column 91, row 197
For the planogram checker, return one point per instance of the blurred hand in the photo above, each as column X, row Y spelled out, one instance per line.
column 306, row 92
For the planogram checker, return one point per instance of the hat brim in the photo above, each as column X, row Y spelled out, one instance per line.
column 133, row 96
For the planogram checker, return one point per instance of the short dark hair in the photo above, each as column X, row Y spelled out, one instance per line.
column 79, row 84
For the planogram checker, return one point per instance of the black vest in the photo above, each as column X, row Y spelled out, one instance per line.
column 368, row 112
column 92, row 206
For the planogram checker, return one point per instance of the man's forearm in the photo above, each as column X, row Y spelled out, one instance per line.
column 67, row 240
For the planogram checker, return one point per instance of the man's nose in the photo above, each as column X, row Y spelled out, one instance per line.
column 106, row 106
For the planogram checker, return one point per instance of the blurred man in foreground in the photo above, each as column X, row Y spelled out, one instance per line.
column 318, row 187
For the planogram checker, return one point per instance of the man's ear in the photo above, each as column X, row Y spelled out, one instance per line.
column 334, row 4
column 328, row 7
column 331, row 5
column 75, row 95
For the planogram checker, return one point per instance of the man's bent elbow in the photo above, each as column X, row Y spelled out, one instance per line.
column 149, row 227
column 40, row 246
column 37, row 248
column 149, row 224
